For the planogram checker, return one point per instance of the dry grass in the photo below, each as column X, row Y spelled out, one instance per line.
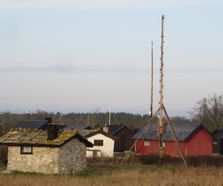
column 123, row 176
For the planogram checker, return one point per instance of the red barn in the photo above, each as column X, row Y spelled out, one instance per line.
column 194, row 140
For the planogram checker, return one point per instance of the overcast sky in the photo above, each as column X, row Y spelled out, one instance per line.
column 85, row 55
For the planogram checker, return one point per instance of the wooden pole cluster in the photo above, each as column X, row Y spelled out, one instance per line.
column 161, row 111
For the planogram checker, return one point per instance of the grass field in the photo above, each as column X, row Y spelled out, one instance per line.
column 123, row 175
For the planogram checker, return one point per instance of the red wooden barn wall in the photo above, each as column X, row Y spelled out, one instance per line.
column 199, row 144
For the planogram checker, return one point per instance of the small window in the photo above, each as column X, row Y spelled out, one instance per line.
column 26, row 150
column 146, row 143
column 164, row 144
column 98, row 142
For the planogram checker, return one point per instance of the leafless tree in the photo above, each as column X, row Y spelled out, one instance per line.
column 209, row 112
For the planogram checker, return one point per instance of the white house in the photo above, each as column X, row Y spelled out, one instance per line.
column 103, row 144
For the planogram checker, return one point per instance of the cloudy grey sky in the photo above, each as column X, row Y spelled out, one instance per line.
column 83, row 55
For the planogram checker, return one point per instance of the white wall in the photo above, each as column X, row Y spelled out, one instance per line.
column 106, row 150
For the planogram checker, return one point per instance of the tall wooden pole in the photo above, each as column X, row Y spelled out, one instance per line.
column 109, row 117
column 161, row 122
column 151, row 93
column 88, row 119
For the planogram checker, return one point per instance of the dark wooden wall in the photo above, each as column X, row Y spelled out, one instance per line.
column 3, row 154
column 123, row 140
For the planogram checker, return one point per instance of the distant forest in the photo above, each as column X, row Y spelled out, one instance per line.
column 207, row 111
column 8, row 120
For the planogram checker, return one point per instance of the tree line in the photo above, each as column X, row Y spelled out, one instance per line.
column 208, row 111
column 96, row 119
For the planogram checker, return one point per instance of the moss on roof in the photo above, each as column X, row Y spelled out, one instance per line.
column 35, row 137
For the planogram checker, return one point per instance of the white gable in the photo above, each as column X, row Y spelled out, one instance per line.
column 103, row 146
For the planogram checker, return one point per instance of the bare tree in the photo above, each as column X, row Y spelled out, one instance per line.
column 209, row 112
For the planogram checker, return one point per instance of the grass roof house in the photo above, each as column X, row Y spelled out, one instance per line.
column 48, row 152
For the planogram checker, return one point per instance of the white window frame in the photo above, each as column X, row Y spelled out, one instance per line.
column 26, row 150
column 146, row 143
column 99, row 142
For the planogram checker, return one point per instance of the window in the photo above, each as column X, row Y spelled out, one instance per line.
column 26, row 150
column 146, row 143
column 98, row 142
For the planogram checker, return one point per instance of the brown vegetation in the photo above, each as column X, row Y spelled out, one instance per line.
column 209, row 161
column 123, row 175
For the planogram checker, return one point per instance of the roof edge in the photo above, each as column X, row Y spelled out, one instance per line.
column 122, row 128
column 200, row 126
column 100, row 132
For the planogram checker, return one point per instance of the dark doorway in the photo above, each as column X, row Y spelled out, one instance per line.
column 221, row 146
column 215, row 147
column 122, row 145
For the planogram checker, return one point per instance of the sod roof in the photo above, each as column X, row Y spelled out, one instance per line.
column 19, row 137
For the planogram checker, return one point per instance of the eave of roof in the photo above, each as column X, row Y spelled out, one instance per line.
column 100, row 132
column 118, row 128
